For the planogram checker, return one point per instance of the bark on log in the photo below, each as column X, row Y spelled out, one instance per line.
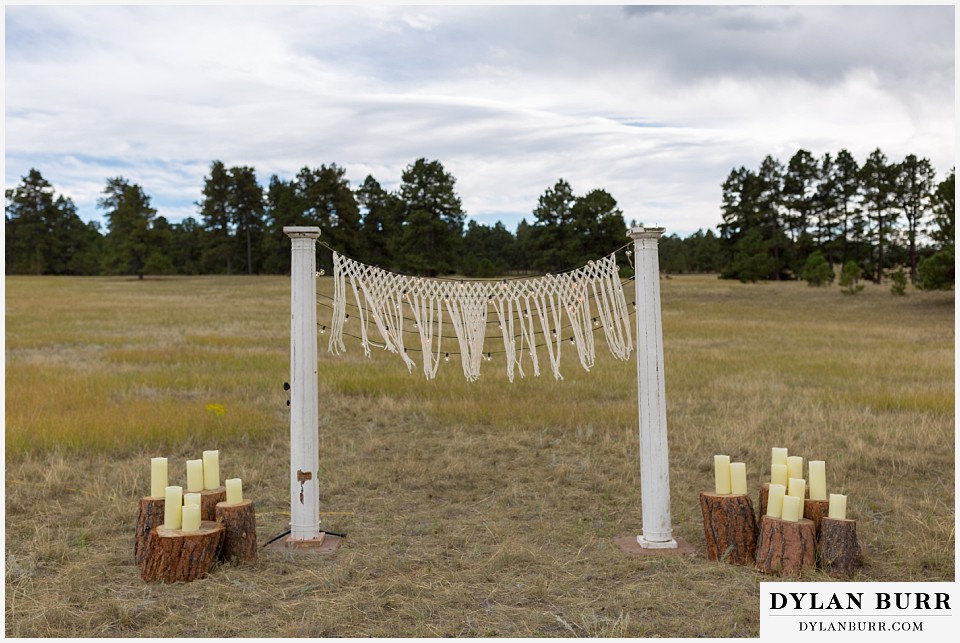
column 208, row 502
column 764, row 494
column 838, row 549
column 178, row 556
column 730, row 527
column 786, row 547
column 149, row 515
column 240, row 523
column 816, row 511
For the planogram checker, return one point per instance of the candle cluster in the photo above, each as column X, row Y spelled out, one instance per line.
column 182, row 510
column 729, row 477
column 788, row 487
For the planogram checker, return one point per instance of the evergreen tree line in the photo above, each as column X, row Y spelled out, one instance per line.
column 418, row 229
column 775, row 221
column 780, row 219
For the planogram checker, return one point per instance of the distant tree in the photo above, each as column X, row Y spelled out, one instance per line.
column 944, row 206
column 898, row 287
column 245, row 213
column 913, row 191
column 850, row 278
column 705, row 251
column 219, row 252
column 526, row 246
column 673, row 254
column 186, row 246
column 751, row 260
column 878, row 182
column 817, row 271
column 487, row 250
column 799, row 193
column 851, row 233
column 938, row 272
column 329, row 202
column 552, row 228
column 380, row 226
column 433, row 218
column 130, row 235
column 597, row 227
column 283, row 207
column 159, row 261
column 43, row 233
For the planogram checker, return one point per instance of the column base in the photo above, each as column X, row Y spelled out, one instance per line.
column 325, row 545
column 637, row 546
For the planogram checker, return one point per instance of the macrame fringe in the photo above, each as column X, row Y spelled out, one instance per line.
column 523, row 308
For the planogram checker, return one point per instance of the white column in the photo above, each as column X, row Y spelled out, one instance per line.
column 654, row 453
column 304, row 443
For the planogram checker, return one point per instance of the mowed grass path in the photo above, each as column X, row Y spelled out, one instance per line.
column 471, row 509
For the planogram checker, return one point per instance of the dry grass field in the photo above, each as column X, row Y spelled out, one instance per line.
column 471, row 509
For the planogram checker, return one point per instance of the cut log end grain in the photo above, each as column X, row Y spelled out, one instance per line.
column 239, row 521
column 149, row 515
column 764, row 494
column 208, row 502
column 786, row 547
column 816, row 511
column 175, row 555
column 838, row 549
column 730, row 527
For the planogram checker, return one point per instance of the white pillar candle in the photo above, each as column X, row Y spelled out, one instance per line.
column 738, row 478
column 794, row 467
column 194, row 475
column 191, row 499
column 838, row 506
column 797, row 488
column 158, row 477
column 172, row 506
column 234, row 491
column 191, row 518
column 721, row 473
column 778, row 455
column 778, row 474
column 775, row 500
column 792, row 508
column 211, row 469
column 817, row 474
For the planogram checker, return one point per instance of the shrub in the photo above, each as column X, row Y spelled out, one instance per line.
column 850, row 278
column 899, row 285
column 937, row 272
column 817, row 271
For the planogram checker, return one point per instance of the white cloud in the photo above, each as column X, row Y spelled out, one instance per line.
column 656, row 105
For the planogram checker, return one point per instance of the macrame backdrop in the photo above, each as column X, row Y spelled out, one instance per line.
column 522, row 309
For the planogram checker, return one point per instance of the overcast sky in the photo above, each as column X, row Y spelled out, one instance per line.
column 655, row 104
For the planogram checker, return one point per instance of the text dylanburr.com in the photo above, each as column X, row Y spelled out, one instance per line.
column 858, row 611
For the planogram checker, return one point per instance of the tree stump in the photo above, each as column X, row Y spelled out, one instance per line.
column 838, row 549
column 149, row 515
column 240, row 523
column 208, row 502
column 175, row 555
column 764, row 494
column 816, row 510
column 730, row 527
column 786, row 547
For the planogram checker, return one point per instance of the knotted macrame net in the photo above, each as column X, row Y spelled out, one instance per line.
column 562, row 308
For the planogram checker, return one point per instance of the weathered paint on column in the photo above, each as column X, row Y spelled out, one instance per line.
column 304, row 406
column 654, row 453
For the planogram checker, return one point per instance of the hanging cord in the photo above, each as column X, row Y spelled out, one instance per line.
column 579, row 299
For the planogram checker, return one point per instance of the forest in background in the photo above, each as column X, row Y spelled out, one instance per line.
column 777, row 221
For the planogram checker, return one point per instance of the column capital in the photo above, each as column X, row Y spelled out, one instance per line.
column 645, row 233
column 301, row 232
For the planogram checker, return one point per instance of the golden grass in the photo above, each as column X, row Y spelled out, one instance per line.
column 483, row 509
